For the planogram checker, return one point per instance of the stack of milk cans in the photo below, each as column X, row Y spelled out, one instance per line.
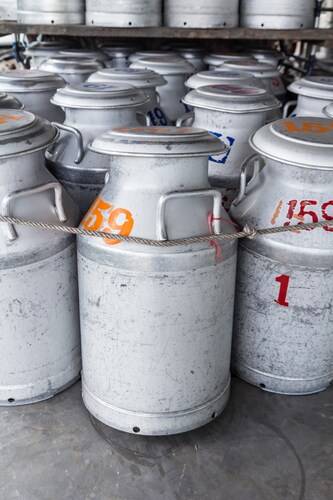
column 164, row 145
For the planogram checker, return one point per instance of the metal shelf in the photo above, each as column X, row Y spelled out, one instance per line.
column 165, row 32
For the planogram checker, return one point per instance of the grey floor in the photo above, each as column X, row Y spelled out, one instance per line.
column 264, row 446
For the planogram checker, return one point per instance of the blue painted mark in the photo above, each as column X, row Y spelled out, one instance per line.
column 157, row 117
column 224, row 158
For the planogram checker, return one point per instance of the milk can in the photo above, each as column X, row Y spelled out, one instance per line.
column 328, row 111
column 223, row 77
column 314, row 93
column 34, row 88
column 50, row 11
column 144, row 79
column 8, row 10
column 39, row 317
column 193, row 55
column 172, row 307
column 72, row 69
column 124, row 13
column 215, row 59
column 39, row 51
column 269, row 75
column 118, row 56
column 268, row 56
column 97, row 55
column 201, row 13
column 143, row 54
column 91, row 109
column 277, row 14
column 283, row 338
column 232, row 113
column 9, row 102
column 176, row 71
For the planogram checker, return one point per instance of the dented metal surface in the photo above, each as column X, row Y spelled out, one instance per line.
column 283, row 338
column 156, row 322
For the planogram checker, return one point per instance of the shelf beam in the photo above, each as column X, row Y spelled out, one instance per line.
column 165, row 32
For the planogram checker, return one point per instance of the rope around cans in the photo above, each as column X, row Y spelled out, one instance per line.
column 246, row 232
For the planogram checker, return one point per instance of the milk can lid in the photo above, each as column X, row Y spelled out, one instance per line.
column 222, row 76
column 217, row 58
column 190, row 52
column 258, row 68
column 329, row 110
column 166, row 65
column 143, row 54
column 71, row 65
column 114, row 51
column 85, row 53
column 23, row 132
column 9, row 102
column 314, row 86
column 29, row 80
column 302, row 141
column 159, row 142
column 97, row 95
column 232, row 98
column 44, row 47
column 140, row 77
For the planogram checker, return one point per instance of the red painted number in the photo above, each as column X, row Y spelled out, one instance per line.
column 302, row 214
column 284, row 283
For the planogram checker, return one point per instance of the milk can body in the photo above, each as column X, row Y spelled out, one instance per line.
column 193, row 55
column 232, row 113
column 171, row 307
column 176, row 71
column 201, row 13
column 124, row 13
column 277, row 14
column 34, row 89
column 313, row 94
column 39, row 321
column 146, row 80
column 8, row 10
column 50, row 11
column 283, row 315
column 72, row 70
column 104, row 105
column 118, row 56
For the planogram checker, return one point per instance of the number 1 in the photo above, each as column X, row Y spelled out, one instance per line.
column 284, row 283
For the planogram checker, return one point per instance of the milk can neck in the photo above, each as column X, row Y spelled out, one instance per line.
column 17, row 168
column 284, row 173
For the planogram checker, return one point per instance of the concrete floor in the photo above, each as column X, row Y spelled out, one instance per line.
column 263, row 447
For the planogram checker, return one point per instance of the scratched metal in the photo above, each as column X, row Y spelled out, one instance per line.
column 283, row 338
column 277, row 14
column 39, row 321
column 201, row 13
column 124, row 13
column 156, row 323
column 91, row 109
column 50, row 11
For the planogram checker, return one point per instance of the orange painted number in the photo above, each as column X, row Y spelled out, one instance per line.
column 121, row 222
column 93, row 220
column 316, row 128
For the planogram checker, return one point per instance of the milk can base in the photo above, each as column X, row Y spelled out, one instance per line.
column 157, row 424
column 288, row 387
column 43, row 389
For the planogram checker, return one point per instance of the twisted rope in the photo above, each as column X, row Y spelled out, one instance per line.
column 247, row 232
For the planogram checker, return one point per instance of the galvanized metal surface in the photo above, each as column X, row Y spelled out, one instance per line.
column 220, row 77
column 277, row 14
column 40, row 345
column 8, row 10
column 34, row 89
column 201, row 13
column 314, row 93
column 9, row 102
column 170, row 372
column 105, row 105
column 72, row 69
column 283, row 315
column 50, row 11
column 124, row 13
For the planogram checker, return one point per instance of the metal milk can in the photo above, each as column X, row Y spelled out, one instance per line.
column 269, row 75
column 157, row 360
column 9, row 102
column 34, row 88
column 232, row 113
column 269, row 56
column 39, row 317
column 51, row 11
column 201, row 13
column 118, row 55
column 91, row 109
column 283, row 332
column 143, row 54
column 215, row 59
column 277, row 14
column 222, row 77
column 73, row 70
column 176, row 71
column 81, row 53
column 144, row 79
column 193, row 55
column 8, row 10
column 314, row 93
column 39, row 51
column 124, row 13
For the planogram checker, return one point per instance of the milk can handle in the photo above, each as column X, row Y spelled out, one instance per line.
column 287, row 107
column 79, row 139
column 161, row 231
column 182, row 118
column 8, row 229
column 146, row 117
column 158, row 98
column 243, row 176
